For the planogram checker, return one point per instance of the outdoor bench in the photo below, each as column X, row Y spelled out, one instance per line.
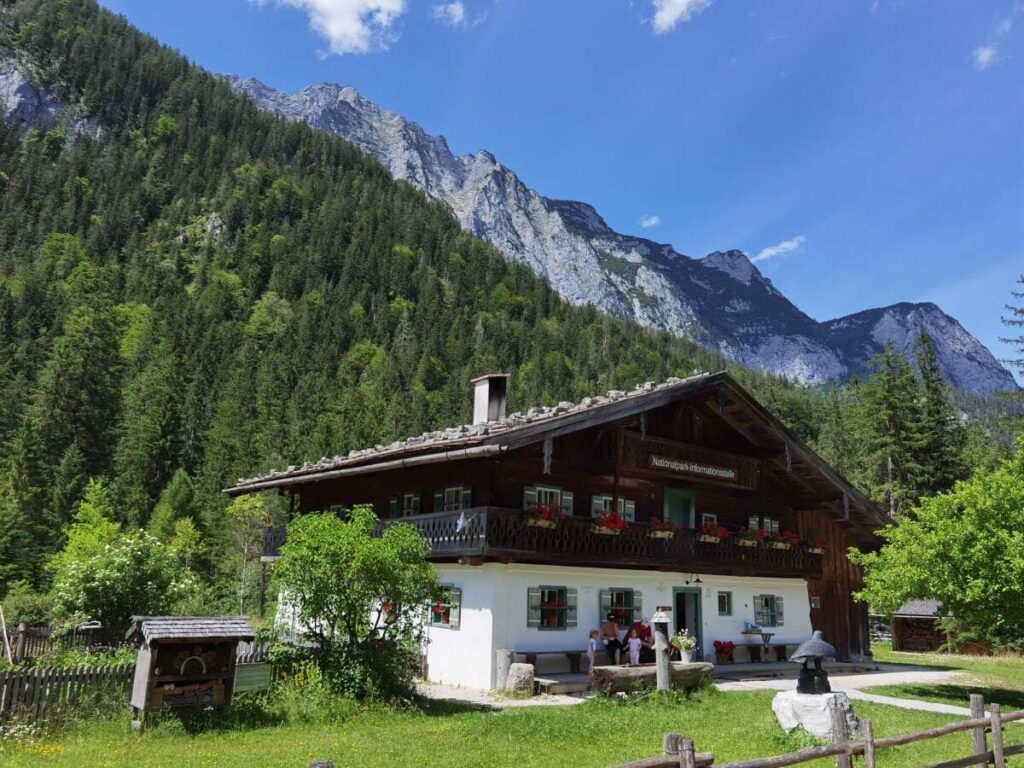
column 574, row 657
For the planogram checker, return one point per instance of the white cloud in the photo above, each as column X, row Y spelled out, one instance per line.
column 786, row 246
column 985, row 56
column 649, row 220
column 451, row 14
column 668, row 14
column 349, row 26
column 1003, row 27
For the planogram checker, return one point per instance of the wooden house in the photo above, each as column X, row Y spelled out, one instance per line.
column 915, row 627
column 728, row 517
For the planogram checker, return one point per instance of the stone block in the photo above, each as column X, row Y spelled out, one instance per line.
column 520, row 678
column 813, row 712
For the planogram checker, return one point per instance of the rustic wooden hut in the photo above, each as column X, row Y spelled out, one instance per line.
column 915, row 627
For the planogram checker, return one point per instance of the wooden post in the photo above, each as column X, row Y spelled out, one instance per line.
column 842, row 736
column 687, row 759
column 661, row 656
column 869, row 744
column 670, row 744
column 997, row 736
column 19, row 643
column 978, row 734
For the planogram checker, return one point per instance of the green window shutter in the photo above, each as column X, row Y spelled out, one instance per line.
column 759, row 617
column 570, row 608
column 467, row 496
column 439, row 501
column 638, row 605
column 455, row 615
column 533, row 607
column 629, row 509
column 529, row 496
column 596, row 506
column 778, row 611
column 566, row 502
column 394, row 507
column 415, row 503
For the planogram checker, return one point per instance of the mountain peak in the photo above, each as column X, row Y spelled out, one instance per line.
column 734, row 263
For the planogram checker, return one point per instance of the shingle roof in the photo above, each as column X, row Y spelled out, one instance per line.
column 191, row 628
column 472, row 434
column 928, row 608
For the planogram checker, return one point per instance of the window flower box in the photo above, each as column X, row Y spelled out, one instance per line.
column 712, row 533
column 783, row 540
column 749, row 537
column 604, row 530
column 544, row 516
column 705, row 539
column 816, row 550
column 747, row 542
column 778, row 545
column 609, row 524
column 540, row 522
column 663, row 534
column 661, row 529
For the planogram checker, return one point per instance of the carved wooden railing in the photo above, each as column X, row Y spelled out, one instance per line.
column 506, row 534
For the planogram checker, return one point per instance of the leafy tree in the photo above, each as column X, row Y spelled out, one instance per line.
column 24, row 605
column 136, row 574
column 359, row 598
column 964, row 548
column 187, row 541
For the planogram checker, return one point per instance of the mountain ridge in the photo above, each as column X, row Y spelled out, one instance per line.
column 722, row 300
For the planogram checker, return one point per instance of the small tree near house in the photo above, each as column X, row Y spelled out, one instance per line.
column 359, row 598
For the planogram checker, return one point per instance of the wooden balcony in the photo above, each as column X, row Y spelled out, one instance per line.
column 499, row 534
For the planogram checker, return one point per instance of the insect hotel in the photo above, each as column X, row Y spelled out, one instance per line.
column 184, row 662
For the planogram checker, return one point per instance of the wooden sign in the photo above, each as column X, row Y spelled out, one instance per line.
column 658, row 456
column 693, row 468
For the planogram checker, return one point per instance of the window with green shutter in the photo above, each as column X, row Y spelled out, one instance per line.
column 603, row 504
column 625, row 604
column 446, row 610
column 768, row 611
column 453, row 498
column 551, row 608
column 535, row 496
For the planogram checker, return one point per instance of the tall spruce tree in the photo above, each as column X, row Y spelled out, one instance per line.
column 944, row 436
column 1014, row 318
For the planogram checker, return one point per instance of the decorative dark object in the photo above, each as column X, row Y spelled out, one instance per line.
column 185, row 662
column 813, row 680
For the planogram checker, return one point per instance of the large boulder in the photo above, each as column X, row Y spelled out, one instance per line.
column 813, row 712
column 520, row 678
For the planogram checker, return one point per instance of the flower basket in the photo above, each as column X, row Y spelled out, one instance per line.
column 747, row 542
column 540, row 522
column 544, row 516
column 703, row 537
column 724, row 650
column 816, row 550
column 609, row 524
column 723, row 658
column 778, row 544
column 603, row 530
column 712, row 533
column 749, row 537
column 659, row 534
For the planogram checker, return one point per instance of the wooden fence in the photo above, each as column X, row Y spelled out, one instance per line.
column 38, row 694
column 679, row 752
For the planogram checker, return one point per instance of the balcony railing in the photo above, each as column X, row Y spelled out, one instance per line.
column 496, row 533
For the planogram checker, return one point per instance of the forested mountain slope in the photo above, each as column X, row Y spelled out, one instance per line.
column 188, row 282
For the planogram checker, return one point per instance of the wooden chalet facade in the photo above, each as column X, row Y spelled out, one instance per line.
column 679, row 455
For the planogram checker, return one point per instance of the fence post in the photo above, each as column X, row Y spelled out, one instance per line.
column 19, row 643
column 841, row 730
column 686, row 757
column 869, row 743
column 978, row 734
column 997, row 736
column 670, row 744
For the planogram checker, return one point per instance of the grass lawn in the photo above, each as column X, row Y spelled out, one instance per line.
column 998, row 678
column 732, row 725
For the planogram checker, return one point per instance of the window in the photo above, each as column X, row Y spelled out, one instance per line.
column 550, row 608
column 453, row 498
column 708, row 517
column 768, row 611
column 446, row 610
column 406, row 505
column 410, row 504
column 546, row 495
column 626, row 604
column 725, row 603
column 600, row 505
column 770, row 525
column 754, row 523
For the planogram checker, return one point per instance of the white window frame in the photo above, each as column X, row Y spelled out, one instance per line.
column 548, row 495
column 603, row 503
column 708, row 517
column 454, row 606
column 728, row 602
column 411, row 504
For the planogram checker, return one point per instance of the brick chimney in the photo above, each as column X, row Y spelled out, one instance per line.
column 490, row 393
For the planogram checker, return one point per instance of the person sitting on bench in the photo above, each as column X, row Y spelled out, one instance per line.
column 610, row 638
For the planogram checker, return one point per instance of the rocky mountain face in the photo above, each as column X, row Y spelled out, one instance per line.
column 722, row 301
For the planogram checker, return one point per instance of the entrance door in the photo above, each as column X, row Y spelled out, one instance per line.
column 679, row 507
column 686, row 613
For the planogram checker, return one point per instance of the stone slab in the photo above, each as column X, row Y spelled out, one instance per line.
column 813, row 712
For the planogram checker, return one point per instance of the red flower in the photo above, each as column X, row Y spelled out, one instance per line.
column 725, row 647
column 714, row 529
column 612, row 520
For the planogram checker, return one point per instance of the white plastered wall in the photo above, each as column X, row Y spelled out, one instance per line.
column 494, row 612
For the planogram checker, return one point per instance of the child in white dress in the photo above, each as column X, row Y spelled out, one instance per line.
column 634, row 643
column 595, row 638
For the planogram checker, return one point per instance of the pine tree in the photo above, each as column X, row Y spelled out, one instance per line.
column 943, row 433
column 1015, row 319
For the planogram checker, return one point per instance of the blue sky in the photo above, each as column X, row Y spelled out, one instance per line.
column 871, row 151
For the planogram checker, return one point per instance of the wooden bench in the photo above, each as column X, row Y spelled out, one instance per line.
column 574, row 657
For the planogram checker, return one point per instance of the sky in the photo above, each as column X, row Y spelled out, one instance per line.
column 862, row 152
